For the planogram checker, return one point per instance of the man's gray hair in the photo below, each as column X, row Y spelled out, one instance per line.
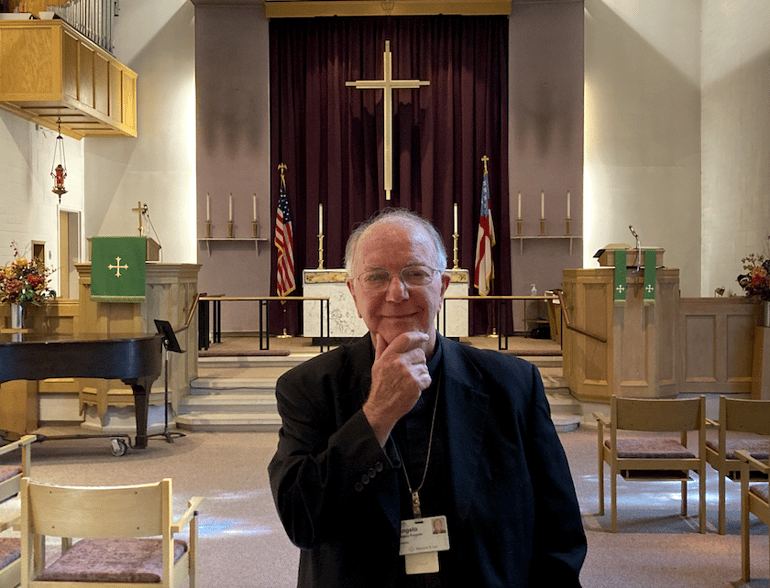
column 401, row 215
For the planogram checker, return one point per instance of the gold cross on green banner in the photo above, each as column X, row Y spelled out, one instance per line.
column 118, row 269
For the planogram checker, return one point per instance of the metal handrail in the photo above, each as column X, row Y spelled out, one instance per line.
column 190, row 315
column 567, row 324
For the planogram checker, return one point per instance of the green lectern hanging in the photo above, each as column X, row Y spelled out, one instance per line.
column 118, row 269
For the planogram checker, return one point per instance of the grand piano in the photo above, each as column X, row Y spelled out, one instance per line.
column 135, row 359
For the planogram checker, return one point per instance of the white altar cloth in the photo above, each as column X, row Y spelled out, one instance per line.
column 343, row 316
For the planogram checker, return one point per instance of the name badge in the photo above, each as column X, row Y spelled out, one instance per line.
column 425, row 535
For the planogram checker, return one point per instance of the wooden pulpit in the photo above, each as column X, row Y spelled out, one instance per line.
column 633, row 348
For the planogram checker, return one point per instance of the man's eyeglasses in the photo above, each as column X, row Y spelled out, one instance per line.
column 411, row 275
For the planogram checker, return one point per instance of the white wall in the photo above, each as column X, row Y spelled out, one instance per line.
column 735, row 138
column 642, row 130
column 156, row 39
column 29, row 210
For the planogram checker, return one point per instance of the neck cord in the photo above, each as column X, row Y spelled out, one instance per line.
column 415, row 493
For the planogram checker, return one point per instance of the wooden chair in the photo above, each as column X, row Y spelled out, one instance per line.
column 652, row 458
column 10, row 483
column 754, row 499
column 127, row 536
column 740, row 416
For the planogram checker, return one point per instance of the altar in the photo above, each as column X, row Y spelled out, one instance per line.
column 344, row 321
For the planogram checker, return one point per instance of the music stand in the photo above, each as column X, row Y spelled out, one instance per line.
column 170, row 343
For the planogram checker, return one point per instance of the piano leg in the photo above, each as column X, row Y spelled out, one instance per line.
column 141, row 410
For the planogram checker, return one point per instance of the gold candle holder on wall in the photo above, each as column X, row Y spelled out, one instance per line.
column 230, row 229
column 542, row 226
column 518, row 226
column 255, row 225
column 569, row 226
column 208, row 229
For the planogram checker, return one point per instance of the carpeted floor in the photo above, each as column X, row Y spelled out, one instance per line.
column 243, row 544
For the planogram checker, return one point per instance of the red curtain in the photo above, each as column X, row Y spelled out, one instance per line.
column 330, row 135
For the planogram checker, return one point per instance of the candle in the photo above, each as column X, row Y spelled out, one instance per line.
column 568, row 217
column 542, row 204
column 455, row 218
column 254, row 201
column 320, row 219
column 519, row 217
column 231, row 206
column 208, row 207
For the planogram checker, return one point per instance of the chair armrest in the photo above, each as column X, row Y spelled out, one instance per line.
column 187, row 516
column 599, row 416
column 12, row 523
column 753, row 464
column 25, row 440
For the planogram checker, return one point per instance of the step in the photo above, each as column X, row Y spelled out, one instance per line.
column 237, row 393
column 566, row 423
column 238, row 403
column 216, row 422
column 215, row 386
column 283, row 362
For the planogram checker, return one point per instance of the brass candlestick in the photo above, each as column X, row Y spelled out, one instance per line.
column 455, row 237
column 569, row 224
column 320, row 251
column 255, row 225
column 230, row 229
column 208, row 229
column 518, row 226
column 542, row 226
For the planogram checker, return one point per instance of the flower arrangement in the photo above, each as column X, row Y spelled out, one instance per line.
column 756, row 282
column 25, row 282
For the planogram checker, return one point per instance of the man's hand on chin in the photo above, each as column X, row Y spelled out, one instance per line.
column 399, row 375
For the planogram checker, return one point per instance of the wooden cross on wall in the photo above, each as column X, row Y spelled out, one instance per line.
column 139, row 210
column 388, row 84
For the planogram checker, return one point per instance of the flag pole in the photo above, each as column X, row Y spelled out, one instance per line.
column 493, row 334
column 284, row 241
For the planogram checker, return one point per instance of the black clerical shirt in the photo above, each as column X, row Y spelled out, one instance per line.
column 412, row 436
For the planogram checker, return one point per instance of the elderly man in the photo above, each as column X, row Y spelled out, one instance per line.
column 405, row 427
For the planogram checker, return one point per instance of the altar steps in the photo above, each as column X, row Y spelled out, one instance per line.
column 238, row 393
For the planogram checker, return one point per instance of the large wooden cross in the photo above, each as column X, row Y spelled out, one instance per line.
column 388, row 84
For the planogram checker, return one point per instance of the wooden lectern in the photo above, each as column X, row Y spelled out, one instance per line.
column 153, row 249
column 638, row 356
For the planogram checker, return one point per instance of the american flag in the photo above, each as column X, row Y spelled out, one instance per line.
column 485, row 270
column 284, row 241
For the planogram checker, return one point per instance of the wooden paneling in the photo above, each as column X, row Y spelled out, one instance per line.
column 115, row 81
column 86, row 93
column 49, row 71
column 70, row 66
column 101, row 84
column 639, row 356
column 718, row 345
column 27, row 70
column 760, row 384
column 315, row 8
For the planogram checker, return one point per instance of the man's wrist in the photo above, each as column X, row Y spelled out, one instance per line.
column 380, row 427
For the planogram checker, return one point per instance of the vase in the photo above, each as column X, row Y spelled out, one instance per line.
column 764, row 317
column 17, row 316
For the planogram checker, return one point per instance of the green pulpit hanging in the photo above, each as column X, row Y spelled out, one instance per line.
column 118, row 269
column 620, row 277
column 650, row 262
